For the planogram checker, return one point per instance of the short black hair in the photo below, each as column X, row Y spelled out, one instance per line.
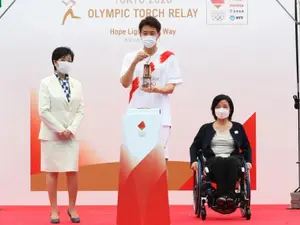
column 216, row 101
column 151, row 22
column 61, row 52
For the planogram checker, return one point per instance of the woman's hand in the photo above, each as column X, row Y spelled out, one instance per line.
column 249, row 165
column 194, row 166
column 66, row 134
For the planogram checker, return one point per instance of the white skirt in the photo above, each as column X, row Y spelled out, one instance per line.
column 59, row 156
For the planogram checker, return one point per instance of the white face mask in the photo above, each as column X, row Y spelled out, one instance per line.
column 222, row 113
column 149, row 41
column 63, row 67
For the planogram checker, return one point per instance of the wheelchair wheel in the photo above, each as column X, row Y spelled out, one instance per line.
column 248, row 214
column 203, row 213
column 196, row 191
column 248, row 187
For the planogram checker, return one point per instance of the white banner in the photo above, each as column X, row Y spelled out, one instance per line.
column 227, row 12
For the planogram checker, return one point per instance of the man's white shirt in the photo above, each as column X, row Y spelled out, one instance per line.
column 165, row 70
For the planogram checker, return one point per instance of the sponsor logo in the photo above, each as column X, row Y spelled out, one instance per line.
column 236, row 5
column 237, row 11
column 236, row 17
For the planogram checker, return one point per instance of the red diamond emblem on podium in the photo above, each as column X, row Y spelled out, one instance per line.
column 142, row 125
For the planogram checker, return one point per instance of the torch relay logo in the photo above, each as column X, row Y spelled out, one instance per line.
column 141, row 127
column 217, row 3
column 69, row 4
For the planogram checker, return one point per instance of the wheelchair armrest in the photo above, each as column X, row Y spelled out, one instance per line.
column 206, row 170
column 243, row 169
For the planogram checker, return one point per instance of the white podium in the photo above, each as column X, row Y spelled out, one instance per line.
column 143, row 189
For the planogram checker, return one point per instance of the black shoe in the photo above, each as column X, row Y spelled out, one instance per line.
column 54, row 221
column 221, row 201
column 73, row 220
column 230, row 201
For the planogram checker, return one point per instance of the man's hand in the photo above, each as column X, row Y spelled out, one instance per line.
column 167, row 89
column 249, row 165
column 194, row 166
column 152, row 90
column 141, row 56
column 127, row 78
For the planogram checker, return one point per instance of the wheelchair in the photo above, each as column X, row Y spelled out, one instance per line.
column 204, row 192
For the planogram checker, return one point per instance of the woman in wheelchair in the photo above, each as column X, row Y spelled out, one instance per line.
column 224, row 145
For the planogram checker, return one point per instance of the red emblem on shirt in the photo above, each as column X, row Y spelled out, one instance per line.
column 135, row 85
column 165, row 56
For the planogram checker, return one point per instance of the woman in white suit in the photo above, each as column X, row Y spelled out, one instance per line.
column 61, row 109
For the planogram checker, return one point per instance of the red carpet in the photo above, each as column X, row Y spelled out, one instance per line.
column 180, row 215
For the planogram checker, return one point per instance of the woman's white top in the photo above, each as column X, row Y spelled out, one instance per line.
column 222, row 144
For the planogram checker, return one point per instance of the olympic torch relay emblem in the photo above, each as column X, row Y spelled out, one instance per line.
column 217, row 3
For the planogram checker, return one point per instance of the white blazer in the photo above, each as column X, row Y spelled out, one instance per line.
column 57, row 114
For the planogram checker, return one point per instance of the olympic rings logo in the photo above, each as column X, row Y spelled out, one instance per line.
column 217, row 17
